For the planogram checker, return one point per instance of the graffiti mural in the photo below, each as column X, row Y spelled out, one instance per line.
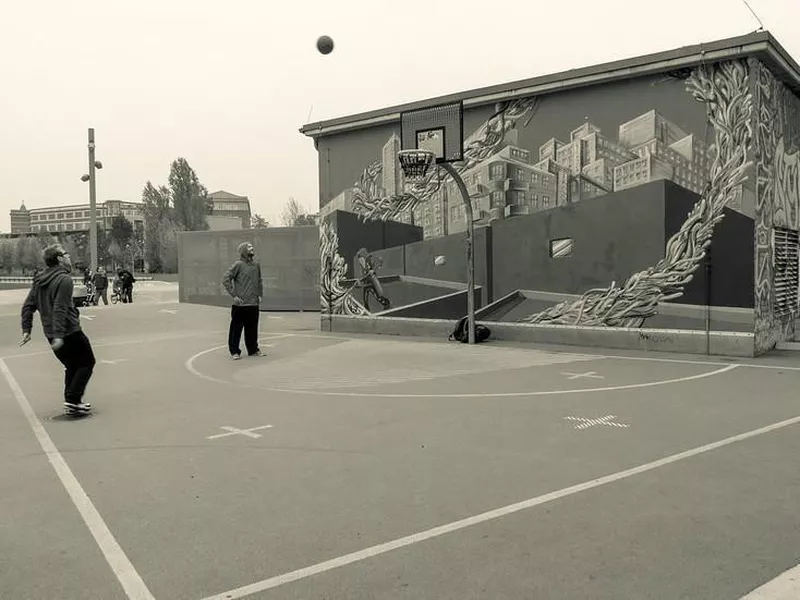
column 335, row 297
column 631, row 204
column 777, row 151
column 724, row 90
column 368, row 200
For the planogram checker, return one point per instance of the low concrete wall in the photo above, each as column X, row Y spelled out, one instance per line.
column 719, row 343
column 289, row 258
column 670, row 315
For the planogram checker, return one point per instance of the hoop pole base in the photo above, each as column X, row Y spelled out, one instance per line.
column 469, row 250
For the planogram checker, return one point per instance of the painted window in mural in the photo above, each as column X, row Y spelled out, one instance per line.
column 561, row 248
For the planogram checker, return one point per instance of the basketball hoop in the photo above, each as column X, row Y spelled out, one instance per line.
column 415, row 163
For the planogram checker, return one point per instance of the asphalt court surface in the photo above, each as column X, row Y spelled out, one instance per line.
column 328, row 468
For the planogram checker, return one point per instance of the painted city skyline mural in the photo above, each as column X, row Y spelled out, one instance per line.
column 736, row 113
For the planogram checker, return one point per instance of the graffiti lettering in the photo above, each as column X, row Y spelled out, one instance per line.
column 787, row 186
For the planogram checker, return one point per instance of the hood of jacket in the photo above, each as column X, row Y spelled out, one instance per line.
column 51, row 274
column 243, row 251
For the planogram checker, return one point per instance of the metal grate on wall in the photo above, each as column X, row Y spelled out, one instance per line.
column 785, row 269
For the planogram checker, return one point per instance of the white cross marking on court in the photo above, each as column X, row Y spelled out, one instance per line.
column 235, row 431
column 588, row 375
column 607, row 420
column 166, row 310
column 88, row 317
column 112, row 362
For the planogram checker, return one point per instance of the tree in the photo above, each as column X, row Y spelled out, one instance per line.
column 121, row 230
column 71, row 247
column 258, row 222
column 44, row 239
column 7, row 255
column 189, row 196
column 117, row 252
column 295, row 215
column 19, row 253
column 291, row 211
column 31, row 255
column 158, row 222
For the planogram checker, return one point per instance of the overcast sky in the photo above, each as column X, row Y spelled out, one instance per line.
column 227, row 85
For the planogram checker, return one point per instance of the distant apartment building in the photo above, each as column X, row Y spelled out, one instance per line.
column 225, row 204
column 512, row 182
column 504, row 185
column 20, row 220
column 664, row 151
column 74, row 217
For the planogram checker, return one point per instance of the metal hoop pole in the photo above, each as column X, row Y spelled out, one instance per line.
column 470, row 254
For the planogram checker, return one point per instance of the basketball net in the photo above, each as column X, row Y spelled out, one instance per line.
column 415, row 163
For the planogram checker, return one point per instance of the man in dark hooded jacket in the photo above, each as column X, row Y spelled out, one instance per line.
column 51, row 295
column 243, row 282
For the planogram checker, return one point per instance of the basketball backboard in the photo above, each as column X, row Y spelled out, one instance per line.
column 438, row 129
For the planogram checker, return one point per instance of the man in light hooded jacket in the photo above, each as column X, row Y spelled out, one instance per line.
column 243, row 282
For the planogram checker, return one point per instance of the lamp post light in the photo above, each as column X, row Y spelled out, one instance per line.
column 93, row 164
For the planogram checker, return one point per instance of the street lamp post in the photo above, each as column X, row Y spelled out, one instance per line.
column 91, row 178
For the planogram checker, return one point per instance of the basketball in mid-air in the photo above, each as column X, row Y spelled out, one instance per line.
column 325, row 44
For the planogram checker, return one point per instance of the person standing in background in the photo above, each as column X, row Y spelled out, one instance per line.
column 244, row 284
column 101, row 286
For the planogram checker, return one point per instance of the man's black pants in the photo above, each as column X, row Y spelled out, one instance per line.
column 243, row 317
column 78, row 359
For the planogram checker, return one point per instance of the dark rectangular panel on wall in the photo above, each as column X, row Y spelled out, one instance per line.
column 731, row 257
column 354, row 233
column 420, row 259
column 574, row 248
column 289, row 258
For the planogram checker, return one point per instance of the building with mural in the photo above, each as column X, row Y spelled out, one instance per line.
column 659, row 194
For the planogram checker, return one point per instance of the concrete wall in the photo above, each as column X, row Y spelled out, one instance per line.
column 614, row 236
column 289, row 258
column 418, row 260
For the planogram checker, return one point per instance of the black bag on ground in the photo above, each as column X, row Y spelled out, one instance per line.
column 461, row 332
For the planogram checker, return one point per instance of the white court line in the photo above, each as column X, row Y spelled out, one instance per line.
column 543, row 348
column 189, row 364
column 784, row 587
column 143, row 340
column 611, row 388
column 131, row 582
column 422, row 536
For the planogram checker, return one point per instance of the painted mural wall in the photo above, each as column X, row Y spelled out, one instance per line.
column 776, row 150
column 725, row 134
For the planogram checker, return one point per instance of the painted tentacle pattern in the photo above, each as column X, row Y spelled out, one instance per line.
column 335, row 298
column 370, row 205
column 723, row 88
